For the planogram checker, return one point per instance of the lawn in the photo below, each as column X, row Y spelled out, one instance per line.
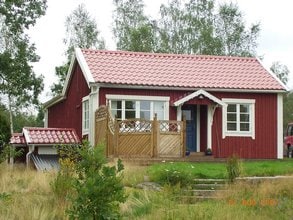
column 218, row 170
column 27, row 194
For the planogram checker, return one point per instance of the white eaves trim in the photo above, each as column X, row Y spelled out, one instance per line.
column 273, row 75
column 198, row 93
column 26, row 136
column 137, row 97
column 84, row 67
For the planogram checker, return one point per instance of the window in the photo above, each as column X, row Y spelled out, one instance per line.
column 144, row 107
column 85, row 115
column 238, row 118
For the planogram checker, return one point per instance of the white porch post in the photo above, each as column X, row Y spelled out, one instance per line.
column 211, row 110
column 93, row 106
column 198, row 128
column 280, row 126
column 179, row 113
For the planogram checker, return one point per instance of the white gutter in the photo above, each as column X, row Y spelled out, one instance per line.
column 31, row 150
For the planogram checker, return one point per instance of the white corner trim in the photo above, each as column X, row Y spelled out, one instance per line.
column 197, row 93
column 46, row 118
column 273, row 75
column 84, row 67
column 280, row 126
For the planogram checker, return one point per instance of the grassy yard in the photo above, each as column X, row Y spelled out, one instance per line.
column 27, row 194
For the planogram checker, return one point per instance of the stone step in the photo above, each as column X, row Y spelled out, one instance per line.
column 208, row 186
column 204, row 192
column 210, row 181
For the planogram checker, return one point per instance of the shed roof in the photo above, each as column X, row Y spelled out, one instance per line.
column 176, row 70
column 45, row 136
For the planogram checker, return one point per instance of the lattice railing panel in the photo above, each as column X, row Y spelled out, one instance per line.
column 170, row 126
column 133, row 126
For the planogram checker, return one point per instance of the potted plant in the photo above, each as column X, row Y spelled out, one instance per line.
column 208, row 151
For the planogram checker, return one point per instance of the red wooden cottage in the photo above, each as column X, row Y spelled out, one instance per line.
column 232, row 105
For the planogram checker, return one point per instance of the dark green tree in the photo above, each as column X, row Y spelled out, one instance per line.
column 4, row 127
column 81, row 32
column 132, row 29
column 18, row 82
column 236, row 38
column 281, row 71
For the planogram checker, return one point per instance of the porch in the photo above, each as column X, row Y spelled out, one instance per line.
column 139, row 139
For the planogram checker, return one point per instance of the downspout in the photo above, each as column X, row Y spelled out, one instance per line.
column 32, row 148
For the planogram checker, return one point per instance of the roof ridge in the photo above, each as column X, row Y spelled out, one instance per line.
column 155, row 54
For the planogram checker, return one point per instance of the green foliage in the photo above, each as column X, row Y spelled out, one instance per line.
column 132, row 28
column 191, row 27
column 4, row 128
column 234, row 168
column 9, row 152
column 97, row 189
column 288, row 109
column 236, row 39
column 81, row 32
column 281, row 71
column 68, row 159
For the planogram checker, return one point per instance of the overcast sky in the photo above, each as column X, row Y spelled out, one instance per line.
column 275, row 40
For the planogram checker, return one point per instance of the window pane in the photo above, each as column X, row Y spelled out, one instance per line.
column 116, row 113
column 244, row 117
column 116, row 104
column 244, row 126
column 231, row 117
column 130, row 105
column 231, row 108
column 145, row 105
column 231, row 126
column 129, row 114
column 145, row 115
column 159, row 110
column 244, row 108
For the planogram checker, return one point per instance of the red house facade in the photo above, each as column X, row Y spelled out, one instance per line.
column 232, row 105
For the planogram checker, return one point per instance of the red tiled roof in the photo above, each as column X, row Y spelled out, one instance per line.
column 50, row 135
column 17, row 139
column 171, row 70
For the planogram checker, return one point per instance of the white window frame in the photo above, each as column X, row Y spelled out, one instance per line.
column 238, row 133
column 152, row 99
column 85, row 130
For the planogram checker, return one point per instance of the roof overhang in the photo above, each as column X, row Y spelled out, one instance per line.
column 78, row 56
column 197, row 94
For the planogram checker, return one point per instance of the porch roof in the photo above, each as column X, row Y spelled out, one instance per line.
column 199, row 93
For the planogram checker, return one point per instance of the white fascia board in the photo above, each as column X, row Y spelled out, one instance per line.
column 68, row 76
column 84, row 67
column 26, row 136
column 124, row 86
column 273, row 75
column 198, row 93
column 137, row 97
column 53, row 101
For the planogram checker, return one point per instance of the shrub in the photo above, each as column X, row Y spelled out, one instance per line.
column 98, row 187
column 233, row 167
column 170, row 175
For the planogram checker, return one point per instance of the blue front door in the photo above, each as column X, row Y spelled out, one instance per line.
column 189, row 112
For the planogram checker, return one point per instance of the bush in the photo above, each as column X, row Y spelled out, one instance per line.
column 233, row 167
column 98, row 187
column 170, row 175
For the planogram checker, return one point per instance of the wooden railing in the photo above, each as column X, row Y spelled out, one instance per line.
column 141, row 138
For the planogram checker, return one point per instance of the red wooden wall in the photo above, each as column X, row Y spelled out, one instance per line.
column 68, row 113
column 265, row 143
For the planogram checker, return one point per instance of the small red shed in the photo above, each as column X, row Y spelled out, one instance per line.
column 232, row 105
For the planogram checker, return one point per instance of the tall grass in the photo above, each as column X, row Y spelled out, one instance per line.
column 26, row 194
